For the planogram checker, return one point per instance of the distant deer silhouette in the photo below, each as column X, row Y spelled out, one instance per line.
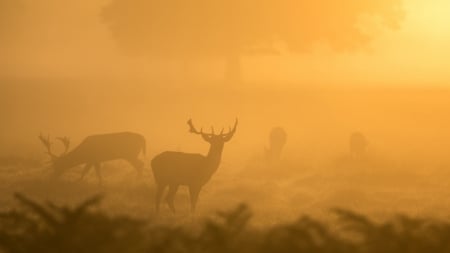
column 358, row 145
column 95, row 149
column 193, row 170
column 277, row 140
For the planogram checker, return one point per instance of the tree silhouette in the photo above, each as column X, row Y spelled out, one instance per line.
column 232, row 28
column 9, row 19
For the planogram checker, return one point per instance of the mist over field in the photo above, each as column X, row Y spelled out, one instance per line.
column 405, row 128
column 346, row 107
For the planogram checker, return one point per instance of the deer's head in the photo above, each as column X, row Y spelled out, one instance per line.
column 212, row 138
column 55, row 160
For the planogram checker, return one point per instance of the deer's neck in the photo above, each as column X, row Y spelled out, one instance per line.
column 69, row 160
column 214, row 157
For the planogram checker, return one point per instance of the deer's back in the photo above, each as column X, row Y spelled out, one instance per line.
column 178, row 167
column 111, row 146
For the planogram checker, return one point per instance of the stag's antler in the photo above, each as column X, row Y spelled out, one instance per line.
column 229, row 135
column 225, row 136
column 193, row 130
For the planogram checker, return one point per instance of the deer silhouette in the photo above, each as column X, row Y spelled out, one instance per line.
column 94, row 150
column 173, row 169
column 277, row 140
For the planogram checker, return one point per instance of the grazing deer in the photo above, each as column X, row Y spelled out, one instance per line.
column 193, row 170
column 96, row 149
column 277, row 140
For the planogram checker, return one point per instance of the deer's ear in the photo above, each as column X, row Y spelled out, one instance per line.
column 206, row 138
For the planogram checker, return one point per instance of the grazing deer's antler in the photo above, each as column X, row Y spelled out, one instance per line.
column 46, row 142
column 48, row 145
column 66, row 142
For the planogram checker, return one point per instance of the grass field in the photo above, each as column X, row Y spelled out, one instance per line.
column 277, row 193
column 303, row 212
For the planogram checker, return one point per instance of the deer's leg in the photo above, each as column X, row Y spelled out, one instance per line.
column 194, row 190
column 99, row 175
column 171, row 196
column 137, row 164
column 159, row 191
column 86, row 169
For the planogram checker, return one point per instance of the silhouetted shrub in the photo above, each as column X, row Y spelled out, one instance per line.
column 50, row 228
column 36, row 227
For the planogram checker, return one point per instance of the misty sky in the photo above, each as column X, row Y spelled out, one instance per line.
column 68, row 39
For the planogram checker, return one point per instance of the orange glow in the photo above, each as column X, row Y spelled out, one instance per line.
column 371, row 69
column 63, row 35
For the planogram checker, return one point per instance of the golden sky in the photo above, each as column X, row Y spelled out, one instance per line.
column 417, row 54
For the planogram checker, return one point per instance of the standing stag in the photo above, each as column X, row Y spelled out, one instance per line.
column 193, row 170
column 96, row 149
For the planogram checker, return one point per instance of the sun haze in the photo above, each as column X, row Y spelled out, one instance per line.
column 322, row 103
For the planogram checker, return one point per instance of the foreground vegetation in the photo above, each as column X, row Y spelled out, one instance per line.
column 46, row 227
